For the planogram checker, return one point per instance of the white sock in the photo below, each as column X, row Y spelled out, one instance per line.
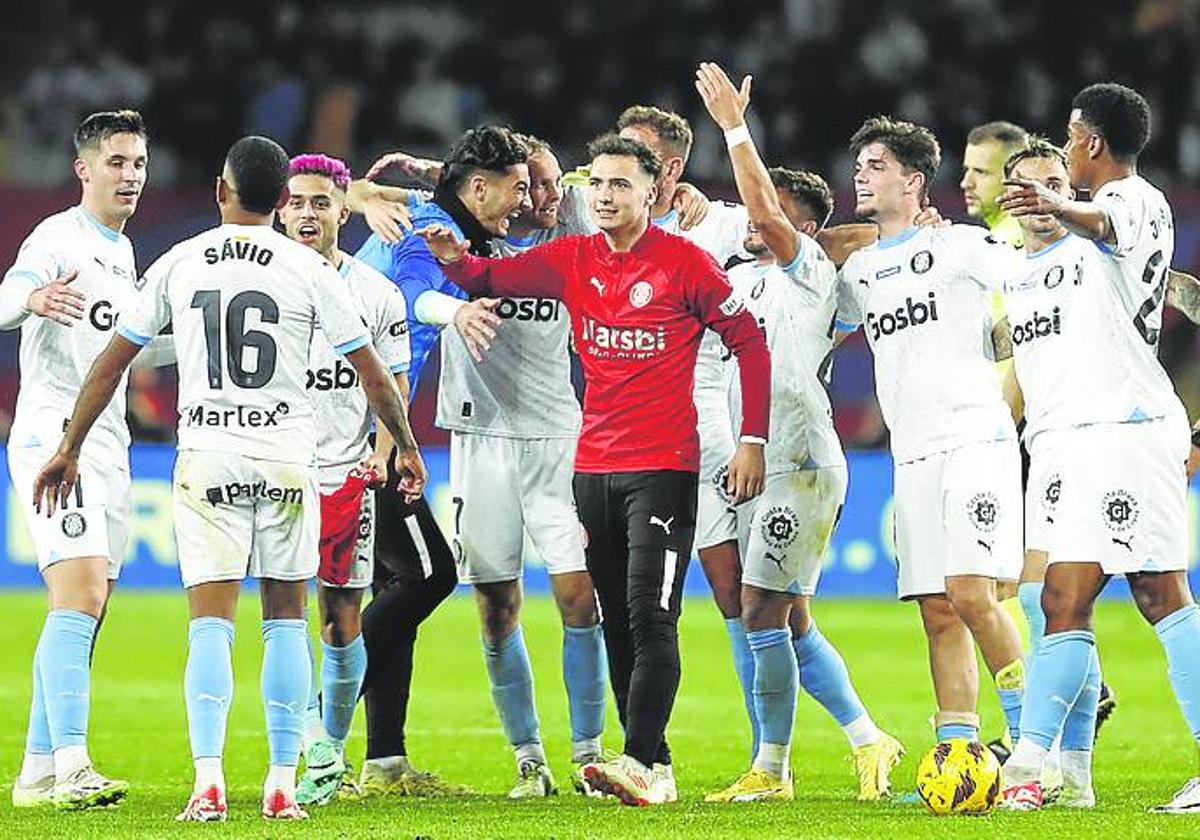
column 392, row 765
column 35, row 767
column 314, row 728
column 862, row 731
column 69, row 759
column 1025, row 763
column 209, row 773
column 1077, row 768
column 280, row 777
column 773, row 758
column 530, row 752
column 667, row 771
column 585, row 750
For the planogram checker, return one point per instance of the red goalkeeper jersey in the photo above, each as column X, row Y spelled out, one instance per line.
column 637, row 319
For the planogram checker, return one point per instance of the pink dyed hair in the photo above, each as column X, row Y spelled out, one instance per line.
column 332, row 168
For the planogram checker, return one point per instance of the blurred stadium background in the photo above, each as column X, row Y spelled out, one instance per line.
column 358, row 79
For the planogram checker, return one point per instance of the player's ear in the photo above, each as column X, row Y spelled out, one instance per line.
column 652, row 195
column 1096, row 146
column 82, row 172
column 222, row 192
column 809, row 227
column 343, row 215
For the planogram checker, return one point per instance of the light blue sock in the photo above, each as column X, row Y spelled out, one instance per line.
column 286, row 674
column 1079, row 729
column 823, row 674
column 957, row 730
column 1180, row 636
column 1010, row 703
column 1030, row 596
column 313, row 708
column 776, row 681
column 511, row 677
column 342, row 671
column 66, row 675
column 743, row 664
column 1055, row 679
column 208, row 684
column 585, row 672
column 37, row 737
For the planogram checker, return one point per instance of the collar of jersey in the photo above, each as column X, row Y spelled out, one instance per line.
column 666, row 218
column 521, row 241
column 105, row 231
column 903, row 236
column 344, row 268
column 1030, row 255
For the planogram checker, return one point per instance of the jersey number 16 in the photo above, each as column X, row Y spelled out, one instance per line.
column 237, row 338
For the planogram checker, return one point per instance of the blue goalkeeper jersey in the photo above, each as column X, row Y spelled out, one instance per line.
column 410, row 265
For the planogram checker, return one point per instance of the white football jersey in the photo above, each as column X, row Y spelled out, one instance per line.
column 722, row 233
column 56, row 359
column 244, row 301
column 795, row 305
column 343, row 416
column 522, row 388
column 923, row 299
column 1085, row 327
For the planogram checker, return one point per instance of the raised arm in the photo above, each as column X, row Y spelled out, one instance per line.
column 57, row 478
column 1083, row 218
column 534, row 273
column 727, row 107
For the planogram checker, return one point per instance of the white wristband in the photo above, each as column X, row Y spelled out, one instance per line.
column 753, row 439
column 737, row 135
column 436, row 308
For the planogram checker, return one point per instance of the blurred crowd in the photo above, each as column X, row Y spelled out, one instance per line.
column 359, row 78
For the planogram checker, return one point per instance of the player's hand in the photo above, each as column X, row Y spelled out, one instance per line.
column 375, row 465
column 55, row 482
column 476, row 322
column 1029, row 198
column 443, row 244
column 412, row 473
column 725, row 103
column 930, row 217
column 690, row 204
column 58, row 301
column 407, row 165
column 386, row 217
column 747, row 472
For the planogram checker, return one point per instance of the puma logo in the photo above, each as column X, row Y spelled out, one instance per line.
column 1127, row 543
column 599, row 286
column 778, row 561
column 666, row 526
column 985, row 545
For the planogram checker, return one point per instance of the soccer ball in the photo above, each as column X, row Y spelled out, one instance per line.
column 959, row 777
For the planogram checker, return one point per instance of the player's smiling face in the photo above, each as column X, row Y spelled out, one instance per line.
column 500, row 197
column 1050, row 173
column 114, row 175
column 880, row 183
column 545, row 190
column 621, row 192
column 314, row 211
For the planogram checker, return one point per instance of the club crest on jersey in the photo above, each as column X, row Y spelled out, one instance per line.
column 1053, row 492
column 921, row 262
column 1120, row 510
column 718, row 483
column 74, row 525
column 640, row 294
column 1054, row 276
column 780, row 526
column 983, row 510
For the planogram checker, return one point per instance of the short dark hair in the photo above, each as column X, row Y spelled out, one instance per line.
column 1007, row 134
column 670, row 127
column 614, row 144
column 1119, row 114
column 915, row 146
column 535, row 144
column 492, row 148
column 259, row 168
column 808, row 188
column 98, row 127
column 1035, row 147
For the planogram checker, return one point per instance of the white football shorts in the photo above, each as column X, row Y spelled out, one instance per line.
column 503, row 487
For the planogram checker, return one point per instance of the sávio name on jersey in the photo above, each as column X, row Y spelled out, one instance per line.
column 913, row 313
column 603, row 340
column 529, row 309
column 233, row 492
column 249, row 418
column 238, row 248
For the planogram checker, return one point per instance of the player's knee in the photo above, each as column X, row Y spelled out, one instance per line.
column 972, row 600
column 576, row 601
column 1158, row 595
column 938, row 616
column 763, row 610
column 1065, row 609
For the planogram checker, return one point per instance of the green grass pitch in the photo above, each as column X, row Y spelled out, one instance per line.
column 139, row 733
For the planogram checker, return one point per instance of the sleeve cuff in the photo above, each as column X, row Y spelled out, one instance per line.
column 436, row 308
column 33, row 277
column 353, row 344
column 129, row 335
column 399, row 367
column 845, row 326
column 796, row 260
